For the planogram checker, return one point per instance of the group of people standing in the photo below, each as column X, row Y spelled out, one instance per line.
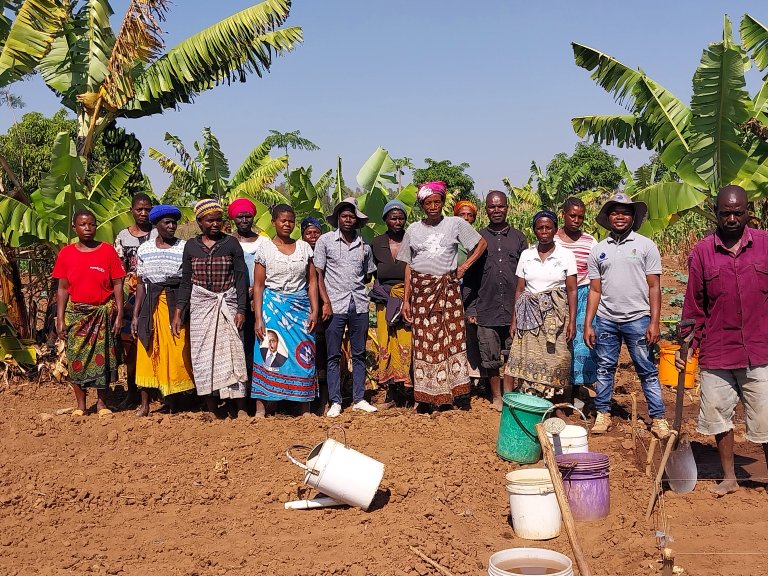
column 245, row 315
column 233, row 316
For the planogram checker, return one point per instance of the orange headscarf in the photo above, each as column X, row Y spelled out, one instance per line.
column 464, row 204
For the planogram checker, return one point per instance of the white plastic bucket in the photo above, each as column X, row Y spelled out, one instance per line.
column 343, row 474
column 533, row 504
column 573, row 439
column 535, row 560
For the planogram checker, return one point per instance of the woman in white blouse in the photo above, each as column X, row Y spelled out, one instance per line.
column 544, row 318
column 286, row 309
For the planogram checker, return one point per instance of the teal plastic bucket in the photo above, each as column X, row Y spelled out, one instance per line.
column 517, row 439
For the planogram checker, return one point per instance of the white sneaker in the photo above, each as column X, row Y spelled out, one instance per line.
column 334, row 411
column 364, row 406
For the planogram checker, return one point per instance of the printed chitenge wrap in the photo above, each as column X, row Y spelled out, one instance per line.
column 440, row 368
column 91, row 347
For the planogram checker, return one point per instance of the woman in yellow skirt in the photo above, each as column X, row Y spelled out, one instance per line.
column 162, row 360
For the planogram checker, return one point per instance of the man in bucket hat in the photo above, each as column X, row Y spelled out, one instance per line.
column 345, row 265
column 625, row 303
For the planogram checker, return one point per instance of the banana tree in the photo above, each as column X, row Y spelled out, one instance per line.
column 544, row 190
column 704, row 145
column 63, row 191
column 23, row 43
column 101, row 76
column 206, row 174
column 28, row 38
column 310, row 198
column 375, row 177
column 293, row 140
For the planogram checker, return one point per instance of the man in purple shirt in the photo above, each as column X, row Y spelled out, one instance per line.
column 727, row 296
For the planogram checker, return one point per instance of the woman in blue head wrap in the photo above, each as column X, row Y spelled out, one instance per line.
column 544, row 317
column 393, row 333
column 162, row 360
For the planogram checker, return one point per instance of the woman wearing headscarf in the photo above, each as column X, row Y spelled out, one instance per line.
column 285, row 302
column 432, row 298
column 162, row 359
column 215, row 289
column 242, row 212
column 393, row 333
column 311, row 230
column 570, row 236
column 467, row 211
column 544, row 317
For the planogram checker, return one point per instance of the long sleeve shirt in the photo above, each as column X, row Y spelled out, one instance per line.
column 216, row 269
column 727, row 297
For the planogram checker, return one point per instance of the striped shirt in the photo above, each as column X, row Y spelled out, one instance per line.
column 580, row 249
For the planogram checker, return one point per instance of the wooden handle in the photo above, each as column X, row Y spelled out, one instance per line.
column 680, row 388
column 671, row 441
column 562, row 500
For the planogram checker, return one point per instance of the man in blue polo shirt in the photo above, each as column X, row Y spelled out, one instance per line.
column 625, row 303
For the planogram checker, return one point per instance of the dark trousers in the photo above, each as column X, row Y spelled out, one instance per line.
column 334, row 334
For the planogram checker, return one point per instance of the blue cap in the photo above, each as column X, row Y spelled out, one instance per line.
column 393, row 204
column 161, row 211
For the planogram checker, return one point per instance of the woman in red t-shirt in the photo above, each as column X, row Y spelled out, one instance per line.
column 88, row 306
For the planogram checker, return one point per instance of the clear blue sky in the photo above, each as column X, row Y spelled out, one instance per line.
column 488, row 82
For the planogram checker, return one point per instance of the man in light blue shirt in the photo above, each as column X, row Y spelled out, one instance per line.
column 345, row 265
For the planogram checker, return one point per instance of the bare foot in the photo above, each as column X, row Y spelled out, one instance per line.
column 725, row 487
column 142, row 411
column 386, row 405
column 260, row 414
column 497, row 404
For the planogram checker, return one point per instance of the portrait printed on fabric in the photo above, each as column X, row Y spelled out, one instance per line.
column 273, row 351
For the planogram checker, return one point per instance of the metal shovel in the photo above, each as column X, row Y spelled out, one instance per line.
column 680, row 467
column 677, row 462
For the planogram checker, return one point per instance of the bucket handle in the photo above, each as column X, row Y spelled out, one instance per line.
column 300, row 464
column 337, row 427
column 564, row 405
column 571, row 466
column 533, row 437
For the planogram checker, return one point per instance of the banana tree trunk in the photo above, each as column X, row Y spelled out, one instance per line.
column 17, row 192
column 12, row 294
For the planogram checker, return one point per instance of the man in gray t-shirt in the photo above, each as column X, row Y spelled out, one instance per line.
column 625, row 304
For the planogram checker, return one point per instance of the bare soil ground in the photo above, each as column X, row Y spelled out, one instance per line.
column 183, row 495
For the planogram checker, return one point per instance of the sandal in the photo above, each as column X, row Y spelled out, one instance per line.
column 78, row 412
column 104, row 412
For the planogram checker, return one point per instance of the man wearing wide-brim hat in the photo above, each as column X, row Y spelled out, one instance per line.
column 625, row 303
column 345, row 264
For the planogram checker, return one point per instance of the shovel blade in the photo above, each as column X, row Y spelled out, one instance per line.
column 681, row 470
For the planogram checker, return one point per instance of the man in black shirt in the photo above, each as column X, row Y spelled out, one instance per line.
column 492, row 278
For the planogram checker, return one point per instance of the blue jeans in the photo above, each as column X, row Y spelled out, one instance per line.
column 609, row 337
column 334, row 334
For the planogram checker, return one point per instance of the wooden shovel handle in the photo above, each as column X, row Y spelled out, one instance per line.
column 562, row 500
